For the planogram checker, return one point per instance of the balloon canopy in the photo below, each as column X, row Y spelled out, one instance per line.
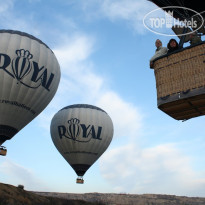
column 29, row 78
column 81, row 133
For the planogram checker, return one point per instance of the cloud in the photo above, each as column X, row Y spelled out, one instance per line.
column 17, row 174
column 80, row 84
column 126, row 117
column 130, row 11
column 74, row 50
column 77, row 78
column 162, row 169
column 5, row 5
column 78, row 75
column 11, row 19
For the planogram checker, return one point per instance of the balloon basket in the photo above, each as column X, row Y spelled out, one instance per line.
column 180, row 82
column 3, row 150
column 79, row 180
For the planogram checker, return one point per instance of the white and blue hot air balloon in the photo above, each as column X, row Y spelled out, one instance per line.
column 81, row 133
column 29, row 78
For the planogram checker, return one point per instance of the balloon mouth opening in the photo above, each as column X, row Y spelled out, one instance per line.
column 80, row 169
column 6, row 133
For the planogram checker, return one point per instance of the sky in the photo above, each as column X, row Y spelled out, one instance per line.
column 103, row 49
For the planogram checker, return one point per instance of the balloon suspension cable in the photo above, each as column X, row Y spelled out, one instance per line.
column 80, row 180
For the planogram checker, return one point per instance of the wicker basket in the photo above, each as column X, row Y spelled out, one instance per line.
column 3, row 151
column 180, row 82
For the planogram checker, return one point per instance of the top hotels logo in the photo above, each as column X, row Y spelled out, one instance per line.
column 160, row 22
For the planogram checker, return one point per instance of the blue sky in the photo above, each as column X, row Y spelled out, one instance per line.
column 104, row 49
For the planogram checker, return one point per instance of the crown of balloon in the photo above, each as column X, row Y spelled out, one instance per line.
column 24, row 53
column 73, row 121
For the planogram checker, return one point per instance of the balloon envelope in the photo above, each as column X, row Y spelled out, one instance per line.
column 81, row 133
column 29, row 78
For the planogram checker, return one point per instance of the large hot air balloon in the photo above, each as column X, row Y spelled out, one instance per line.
column 29, row 78
column 81, row 133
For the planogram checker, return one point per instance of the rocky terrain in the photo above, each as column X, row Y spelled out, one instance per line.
column 11, row 195
column 131, row 199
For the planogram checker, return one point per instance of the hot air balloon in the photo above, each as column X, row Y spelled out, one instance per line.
column 81, row 133
column 180, row 76
column 29, row 78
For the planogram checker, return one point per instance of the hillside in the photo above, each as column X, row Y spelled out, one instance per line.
column 131, row 199
column 11, row 195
